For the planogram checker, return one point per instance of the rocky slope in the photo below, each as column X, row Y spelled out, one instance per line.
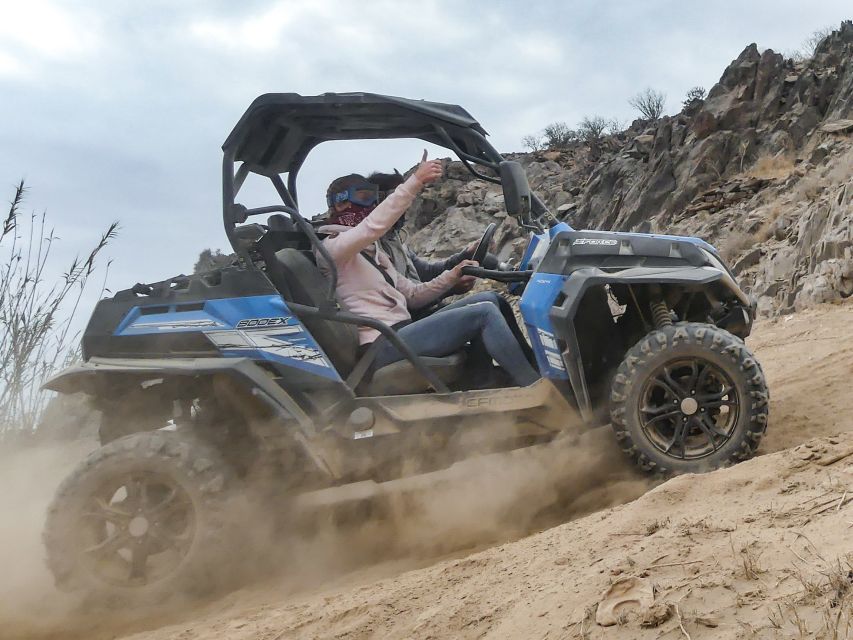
column 762, row 168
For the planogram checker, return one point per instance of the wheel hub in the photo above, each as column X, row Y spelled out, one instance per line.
column 689, row 406
column 138, row 526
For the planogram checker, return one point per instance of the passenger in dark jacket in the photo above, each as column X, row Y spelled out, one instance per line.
column 415, row 268
column 405, row 260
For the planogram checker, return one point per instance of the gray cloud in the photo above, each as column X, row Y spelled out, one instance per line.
column 117, row 110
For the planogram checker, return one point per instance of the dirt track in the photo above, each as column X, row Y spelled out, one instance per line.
column 753, row 551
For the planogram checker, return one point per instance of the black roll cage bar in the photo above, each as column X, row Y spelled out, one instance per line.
column 234, row 214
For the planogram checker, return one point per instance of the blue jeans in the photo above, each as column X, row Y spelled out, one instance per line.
column 478, row 350
column 449, row 329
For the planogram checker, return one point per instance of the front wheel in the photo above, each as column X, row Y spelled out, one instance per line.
column 689, row 398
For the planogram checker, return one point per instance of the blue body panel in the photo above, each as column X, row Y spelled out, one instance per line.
column 257, row 327
column 538, row 238
column 261, row 327
column 539, row 296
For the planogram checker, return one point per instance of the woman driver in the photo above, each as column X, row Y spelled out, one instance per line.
column 369, row 285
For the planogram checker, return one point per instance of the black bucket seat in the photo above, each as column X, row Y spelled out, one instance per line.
column 298, row 279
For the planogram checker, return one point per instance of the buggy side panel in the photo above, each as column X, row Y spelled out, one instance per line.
column 540, row 295
column 256, row 327
column 182, row 296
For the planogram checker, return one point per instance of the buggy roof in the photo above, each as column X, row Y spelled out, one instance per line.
column 278, row 130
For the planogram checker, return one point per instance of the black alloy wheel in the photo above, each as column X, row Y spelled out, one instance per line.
column 689, row 398
column 137, row 528
column 142, row 519
column 689, row 408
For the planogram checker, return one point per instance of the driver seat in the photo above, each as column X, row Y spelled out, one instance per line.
column 298, row 279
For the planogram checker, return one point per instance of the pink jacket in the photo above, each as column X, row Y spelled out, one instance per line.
column 361, row 287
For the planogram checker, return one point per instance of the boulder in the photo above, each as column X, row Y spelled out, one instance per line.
column 820, row 152
column 704, row 124
column 564, row 209
column 747, row 260
column 833, row 280
column 643, row 143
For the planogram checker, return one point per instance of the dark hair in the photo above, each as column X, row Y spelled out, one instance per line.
column 344, row 182
column 386, row 181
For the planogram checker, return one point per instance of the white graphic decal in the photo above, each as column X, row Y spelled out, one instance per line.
column 176, row 324
column 272, row 341
column 251, row 323
column 547, row 340
column 555, row 361
column 596, row 241
column 552, row 349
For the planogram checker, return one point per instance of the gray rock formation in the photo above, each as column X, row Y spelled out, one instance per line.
column 761, row 168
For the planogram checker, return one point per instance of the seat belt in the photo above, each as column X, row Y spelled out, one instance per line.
column 378, row 267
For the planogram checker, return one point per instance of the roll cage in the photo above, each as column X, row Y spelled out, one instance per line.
column 278, row 131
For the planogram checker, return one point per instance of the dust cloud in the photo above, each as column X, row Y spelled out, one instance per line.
column 481, row 501
column 31, row 607
column 29, row 476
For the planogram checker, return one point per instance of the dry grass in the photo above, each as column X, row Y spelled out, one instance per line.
column 837, row 611
column 739, row 241
column 807, row 189
column 785, row 614
column 710, row 166
column 701, row 527
column 768, row 167
column 825, row 590
column 36, row 312
column 749, row 559
column 735, row 243
column 655, row 525
column 765, row 230
column 813, row 588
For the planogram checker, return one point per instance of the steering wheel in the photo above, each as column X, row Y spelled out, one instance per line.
column 485, row 242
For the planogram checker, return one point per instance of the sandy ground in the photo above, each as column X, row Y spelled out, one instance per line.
column 760, row 550
column 808, row 360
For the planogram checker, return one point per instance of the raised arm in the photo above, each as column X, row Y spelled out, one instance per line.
column 346, row 245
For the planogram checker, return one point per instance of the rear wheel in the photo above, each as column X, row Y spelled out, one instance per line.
column 689, row 398
column 140, row 519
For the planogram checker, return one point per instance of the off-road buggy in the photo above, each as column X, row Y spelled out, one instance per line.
column 208, row 381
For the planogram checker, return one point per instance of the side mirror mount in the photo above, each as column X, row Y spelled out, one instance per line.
column 517, row 196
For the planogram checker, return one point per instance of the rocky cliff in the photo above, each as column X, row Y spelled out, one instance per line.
column 762, row 168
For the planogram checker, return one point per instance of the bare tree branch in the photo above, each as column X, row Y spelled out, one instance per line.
column 649, row 103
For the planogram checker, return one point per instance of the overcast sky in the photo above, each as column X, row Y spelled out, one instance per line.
column 116, row 109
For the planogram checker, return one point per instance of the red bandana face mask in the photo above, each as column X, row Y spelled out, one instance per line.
column 351, row 216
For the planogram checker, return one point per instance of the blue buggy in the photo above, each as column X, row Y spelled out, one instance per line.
column 207, row 382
